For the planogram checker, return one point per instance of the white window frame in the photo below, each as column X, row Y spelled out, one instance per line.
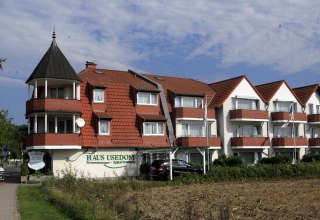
column 94, row 95
column 188, row 130
column 108, row 126
column 150, row 134
column 150, row 96
column 180, row 98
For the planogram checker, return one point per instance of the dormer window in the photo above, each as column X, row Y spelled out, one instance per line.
column 188, row 102
column 98, row 95
column 104, row 127
column 146, row 98
column 153, row 128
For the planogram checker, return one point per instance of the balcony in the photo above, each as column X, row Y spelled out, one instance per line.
column 284, row 116
column 198, row 141
column 51, row 139
column 314, row 119
column 289, row 142
column 248, row 115
column 193, row 113
column 250, row 142
column 63, row 105
column 314, row 142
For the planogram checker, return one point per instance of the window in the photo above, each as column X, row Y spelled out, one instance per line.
column 283, row 106
column 317, row 109
column 249, row 104
column 285, row 131
column 144, row 98
column 311, row 108
column 61, row 127
column 104, row 127
column 98, row 95
column 193, row 130
column 187, row 102
column 57, row 92
column 248, row 131
column 153, row 128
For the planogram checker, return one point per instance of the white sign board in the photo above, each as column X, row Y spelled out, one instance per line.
column 36, row 160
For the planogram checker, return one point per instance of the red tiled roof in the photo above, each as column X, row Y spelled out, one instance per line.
column 224, row 89
column 182, row 86
column 152, row 117
column 304, row 93
column 102, row 77
column 125, row 129
column 269, row 90
column 102, row 114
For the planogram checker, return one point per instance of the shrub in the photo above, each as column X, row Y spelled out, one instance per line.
column 311, row 157
column 278, row 159
column 225, row 161
column 24, row 169
column 145, row 168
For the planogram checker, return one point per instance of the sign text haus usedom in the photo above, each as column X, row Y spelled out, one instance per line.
column 110, row 159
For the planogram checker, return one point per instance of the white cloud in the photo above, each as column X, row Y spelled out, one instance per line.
column 10, row 82
column 115, row 34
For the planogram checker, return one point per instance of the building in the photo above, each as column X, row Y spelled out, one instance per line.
column 106, row 123
column 310, row 98
column 242, row 119
column 287, row 131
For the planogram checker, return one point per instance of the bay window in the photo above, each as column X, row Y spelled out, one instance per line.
column 145, row 98
column 153, row 128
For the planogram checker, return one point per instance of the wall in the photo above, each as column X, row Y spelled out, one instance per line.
column 78, row 159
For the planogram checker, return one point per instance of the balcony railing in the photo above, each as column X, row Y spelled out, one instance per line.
column 193, row 113
column 314, row 118
column 288, row 141
column 284, row 116
column 53, row 139
column 198, row 141
column 250, row 142
column 248, row 115
column 314, row 142
column 38, row 105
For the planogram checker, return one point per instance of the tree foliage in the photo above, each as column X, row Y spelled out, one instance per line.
column 10, row 134
column 2, row 60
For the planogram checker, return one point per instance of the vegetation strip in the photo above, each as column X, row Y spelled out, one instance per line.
column 33, row 206
column 84, row 198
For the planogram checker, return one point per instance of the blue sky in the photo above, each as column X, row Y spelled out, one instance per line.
column 205, row 40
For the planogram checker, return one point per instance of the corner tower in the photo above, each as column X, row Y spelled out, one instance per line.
column 54, row 104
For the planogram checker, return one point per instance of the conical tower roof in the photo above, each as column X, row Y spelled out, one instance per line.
column 54, row 65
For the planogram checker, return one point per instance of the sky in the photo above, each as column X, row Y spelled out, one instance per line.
column 207, row 40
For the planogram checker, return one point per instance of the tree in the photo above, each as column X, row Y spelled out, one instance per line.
column 2, row 60
column 11, row 135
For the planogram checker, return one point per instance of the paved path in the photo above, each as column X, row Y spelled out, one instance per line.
column 8, row 200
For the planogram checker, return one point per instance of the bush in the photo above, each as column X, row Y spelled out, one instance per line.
column 24, row 169
column 311, row 157
column 278, row 159
column 225, row 161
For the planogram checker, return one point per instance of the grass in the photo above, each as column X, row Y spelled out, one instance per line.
column 32, row 206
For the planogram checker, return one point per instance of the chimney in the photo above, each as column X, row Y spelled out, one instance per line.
column 90, row 65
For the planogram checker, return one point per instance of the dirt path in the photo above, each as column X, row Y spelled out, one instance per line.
column 299, row 199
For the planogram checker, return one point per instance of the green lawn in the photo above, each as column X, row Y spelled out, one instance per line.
column 32, row 206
